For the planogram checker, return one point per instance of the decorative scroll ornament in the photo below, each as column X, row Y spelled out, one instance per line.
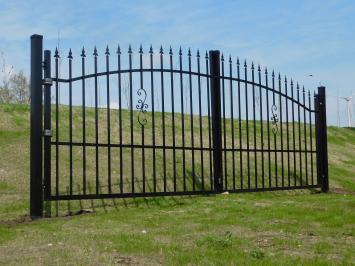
column 274, row 119
column 142, row 107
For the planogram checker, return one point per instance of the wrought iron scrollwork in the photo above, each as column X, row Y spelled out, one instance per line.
column 274, row 119
column 142, row 107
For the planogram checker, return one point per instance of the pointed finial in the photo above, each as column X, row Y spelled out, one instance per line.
column 273, row 73
column 198, row 53
column 206, row 56
column 230, row 59
column 161, row 49
column 70, row 56
column 170, row 51
column 83, row 52
column 245, row 63
column 238, row 63
column 303, row 90
column 180, row 51
column 95, row 52
column 266, row 71
column 309, row 93
column 279, row 76
column 130, row 49
column 189, row 52
column 298, row 87
column 252, row 65
column 107, row 52
column 291, row 82
column 259, row 68
column 222, row 57
column 56, row 53
column 141, row 49
column 118, row 49
column 285, row 79
column 151, row 49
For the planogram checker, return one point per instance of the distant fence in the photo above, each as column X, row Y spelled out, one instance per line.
column 170, row 125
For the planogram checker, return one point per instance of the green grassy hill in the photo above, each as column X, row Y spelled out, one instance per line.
column 296, row 227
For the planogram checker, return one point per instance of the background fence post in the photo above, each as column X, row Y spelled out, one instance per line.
column 216, row 118
column 321, row 134
column 36, row 188
column 47, row 132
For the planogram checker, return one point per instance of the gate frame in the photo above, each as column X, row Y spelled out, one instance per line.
column 40, row 140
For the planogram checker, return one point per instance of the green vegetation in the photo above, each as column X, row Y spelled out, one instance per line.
column 287, row 228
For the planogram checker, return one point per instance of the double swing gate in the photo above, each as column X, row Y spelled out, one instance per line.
column 156, row 123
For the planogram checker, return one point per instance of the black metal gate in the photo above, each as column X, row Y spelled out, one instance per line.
column 158, row 124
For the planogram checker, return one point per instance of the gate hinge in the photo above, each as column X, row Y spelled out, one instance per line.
column 47, row 81
column 47, row 133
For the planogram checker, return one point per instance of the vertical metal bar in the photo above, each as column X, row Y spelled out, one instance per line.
column 209, row 120
column 305, row 134
column 36, row 188
column 323, row 145
column 216, row 118
column 153, row 118
column 131, row 115
column 299, row 134
column 275, row 131
column 310, row 134
column 96, row 126
column 173, row 115
column 288, row 137
column 120, row 114
column 142, row 109
column 268, row 124
column 224, row 127
column 261, row 129
column 293, row 136
column 317, row 131
column 192, row 125
column 240, row 128
column 200, row 119
column 281, row 133
column 232, row 118
column 254, row 128
column 56, row 56
column 84, row 118
column 47, row 125
column 163, row 113
column 70, row 57
column 247, row 119
column 108, row 113
column 182, row 122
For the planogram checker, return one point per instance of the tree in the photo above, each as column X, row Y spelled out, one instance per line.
column 20, row 90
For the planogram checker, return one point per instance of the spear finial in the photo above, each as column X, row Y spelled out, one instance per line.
column 252, row 65
column 238, row 63
column 230, row 59
column 130, row 49
column 56, row 53
column 198, row 53
column 206, row 56
column 70, row 56
column 83, row 52
column 161, row 49
column 151, row 49
column 189, row 52
column 180, row 51
column 95, row 52
column 141, row 49
column 107, row 52
column 170, row 51
column 118, row 49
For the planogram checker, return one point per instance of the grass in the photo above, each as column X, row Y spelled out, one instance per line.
column 287, row 228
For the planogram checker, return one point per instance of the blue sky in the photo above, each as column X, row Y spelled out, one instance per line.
column 297, row 38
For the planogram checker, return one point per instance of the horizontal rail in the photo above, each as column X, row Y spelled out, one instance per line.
column 172, row 193
column 137, row 146
column 182, row 72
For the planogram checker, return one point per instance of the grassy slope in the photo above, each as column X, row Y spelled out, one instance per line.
column 268, row 228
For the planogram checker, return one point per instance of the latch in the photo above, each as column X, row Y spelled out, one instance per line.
column 47, row 133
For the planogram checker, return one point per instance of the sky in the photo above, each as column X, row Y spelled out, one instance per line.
column 297, row 38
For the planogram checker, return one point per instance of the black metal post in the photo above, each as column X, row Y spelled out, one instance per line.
column 216, row 118
column 36, row 188
column 47, row 129
column 322, row 149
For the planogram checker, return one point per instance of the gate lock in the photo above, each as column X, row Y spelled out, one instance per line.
column 47, row 81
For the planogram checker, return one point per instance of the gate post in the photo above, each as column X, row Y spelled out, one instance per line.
column 36, row 189
column 216, row 118
column 47, row 132
column 321, row 135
